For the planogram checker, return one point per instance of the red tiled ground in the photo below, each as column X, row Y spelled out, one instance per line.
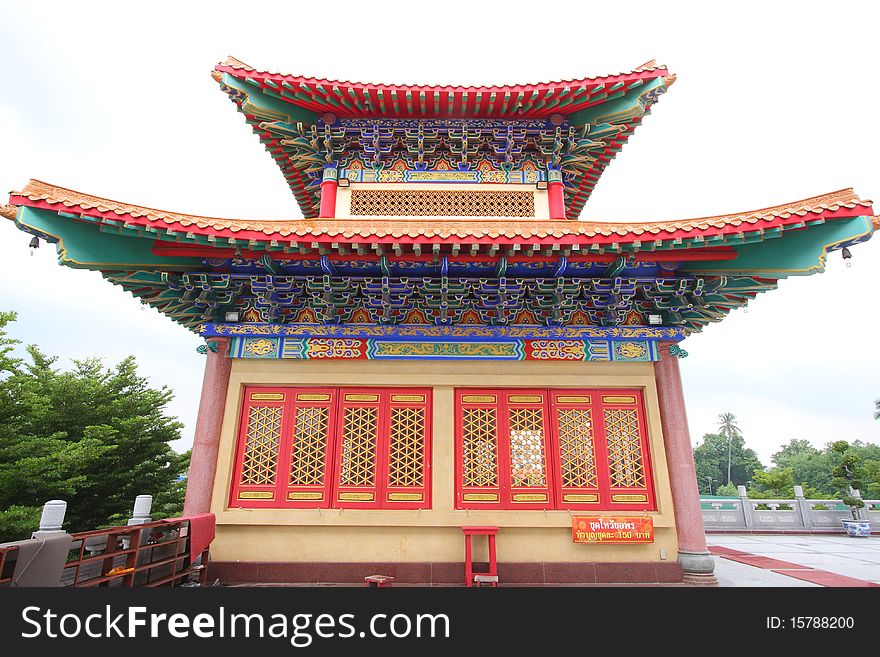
column 824, row 578
column 805, row 573
column 765, row 562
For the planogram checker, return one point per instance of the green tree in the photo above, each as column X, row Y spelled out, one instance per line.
column 774, row 483
column 710, row 460
column 728, row 428
column 811, row 467
column 728, row 490
column 93, row 436
column 847, row 475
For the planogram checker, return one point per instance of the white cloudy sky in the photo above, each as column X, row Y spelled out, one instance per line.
column 775, row 101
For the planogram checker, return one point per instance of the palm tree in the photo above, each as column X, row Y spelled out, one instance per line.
column 727, row 428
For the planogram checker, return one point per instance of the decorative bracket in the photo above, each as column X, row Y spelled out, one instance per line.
column 678, row 352
column 210, row 345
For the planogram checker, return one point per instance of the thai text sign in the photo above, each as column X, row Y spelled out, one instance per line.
column 612, row 529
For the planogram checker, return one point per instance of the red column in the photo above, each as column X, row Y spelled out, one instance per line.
column 328, row 193
column 555, row 196
column 693, row 554
column 206, row 445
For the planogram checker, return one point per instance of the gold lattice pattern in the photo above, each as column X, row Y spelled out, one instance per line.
column 407, row 447
column 480, row 447
column 358, row 447
column 527, row 447
column 261, row 446
column 309, row 446
column 441, row 203
column 625, row 464
column 578, row 459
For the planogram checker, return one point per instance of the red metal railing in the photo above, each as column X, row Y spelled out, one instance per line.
column 152, row 554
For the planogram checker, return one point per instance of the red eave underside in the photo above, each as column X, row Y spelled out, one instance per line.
column 538, row 100
column 164, row 249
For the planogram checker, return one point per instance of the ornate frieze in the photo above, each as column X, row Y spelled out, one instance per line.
column 440, row 349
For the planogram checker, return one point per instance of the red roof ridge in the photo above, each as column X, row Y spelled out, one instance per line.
column 238, row 65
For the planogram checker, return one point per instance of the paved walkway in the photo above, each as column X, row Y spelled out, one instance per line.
column 795, row 560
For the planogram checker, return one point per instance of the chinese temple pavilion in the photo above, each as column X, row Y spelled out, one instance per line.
column 440, row 344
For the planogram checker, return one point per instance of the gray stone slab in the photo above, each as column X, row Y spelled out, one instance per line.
column 859, row 558
column 732, row 574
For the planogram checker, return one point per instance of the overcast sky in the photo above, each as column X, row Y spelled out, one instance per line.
column 774, row 102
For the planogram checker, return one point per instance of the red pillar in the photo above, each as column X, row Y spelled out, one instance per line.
column 328, row 194
column 693, row 554
column 555, row 196
column 206, row 445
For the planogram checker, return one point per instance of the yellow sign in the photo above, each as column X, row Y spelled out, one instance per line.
column 256, row 495
column 356, row 497
column 579, row 497
column 478, row 399
column 619, row 400
column 480, row 497
column 305, row 496
column 530, row 497
column 407, row 398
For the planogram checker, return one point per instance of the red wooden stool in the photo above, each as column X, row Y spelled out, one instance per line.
column 482, row 579
column 380, row 581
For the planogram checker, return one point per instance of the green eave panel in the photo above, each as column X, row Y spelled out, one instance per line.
column 84, row 246
column 268, row 107
column 795, row 253
column 608, row 110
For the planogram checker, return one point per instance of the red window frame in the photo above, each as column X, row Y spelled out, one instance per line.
column 504, row 494
column 620, row 405
column 414, row 492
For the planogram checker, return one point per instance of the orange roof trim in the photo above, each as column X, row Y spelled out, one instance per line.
column 240, row 67
column 41, row 194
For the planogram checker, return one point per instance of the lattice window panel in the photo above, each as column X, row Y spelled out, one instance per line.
column 576, row 448
column 625, row 463
column 441, row 203
column 527, row 448
column 309, row 447
column 358, row 466
column 406, row 449
column 480, row 447
column 261, row 446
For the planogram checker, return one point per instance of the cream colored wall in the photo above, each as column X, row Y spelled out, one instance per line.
column 542, row 203
column 430, row 534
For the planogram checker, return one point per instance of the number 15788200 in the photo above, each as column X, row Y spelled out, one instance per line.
column 810, row 623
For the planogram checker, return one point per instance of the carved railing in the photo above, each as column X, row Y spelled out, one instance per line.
column 798, row 514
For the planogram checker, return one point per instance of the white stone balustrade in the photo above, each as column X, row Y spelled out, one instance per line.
column 798, row 514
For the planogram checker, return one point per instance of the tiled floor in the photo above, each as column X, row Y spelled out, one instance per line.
column 850, row 557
